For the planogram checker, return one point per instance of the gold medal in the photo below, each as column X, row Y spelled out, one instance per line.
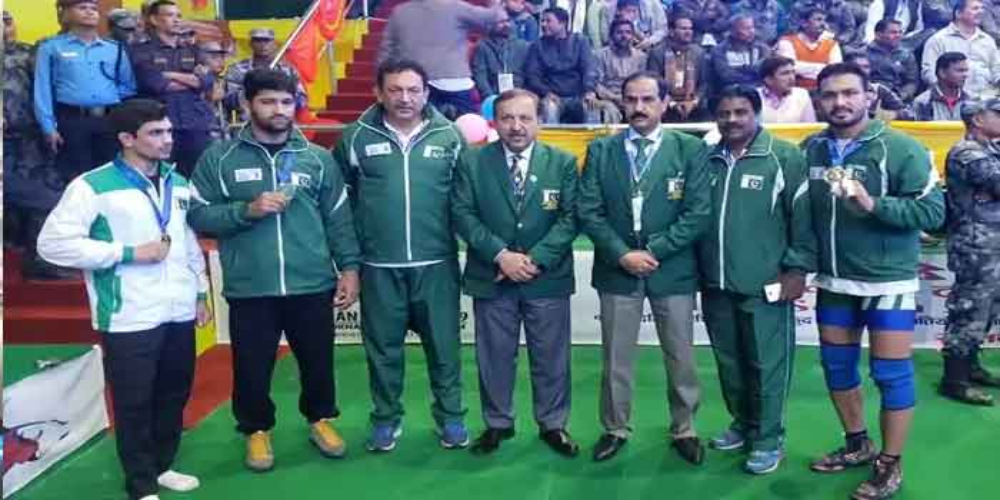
column 165, row 238
column 835, row 175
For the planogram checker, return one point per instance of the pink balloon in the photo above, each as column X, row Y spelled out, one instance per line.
column 473, row 127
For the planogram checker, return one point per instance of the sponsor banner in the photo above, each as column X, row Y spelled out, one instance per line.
column 935, row 284
column 48, row 415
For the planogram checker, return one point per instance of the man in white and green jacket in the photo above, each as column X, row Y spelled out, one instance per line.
column 399, row 159
column 123, row 224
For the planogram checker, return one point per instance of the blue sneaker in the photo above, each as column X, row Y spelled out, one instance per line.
column 384, row 437
column 764, row 462
column 453, row 435
column 730, row 440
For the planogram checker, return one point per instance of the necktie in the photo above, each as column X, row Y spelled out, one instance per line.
column 517, row 178
column 641, row 160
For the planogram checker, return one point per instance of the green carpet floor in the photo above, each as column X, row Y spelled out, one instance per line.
column 953, row 453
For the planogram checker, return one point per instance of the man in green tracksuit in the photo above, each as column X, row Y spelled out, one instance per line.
column 399, row 160
column 644, row 201
column 753, row 263
column 278, row 206
column 873, row 190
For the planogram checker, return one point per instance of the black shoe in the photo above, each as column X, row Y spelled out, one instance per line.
column 561, row 442
column 964, row 393
column 979, row 376
column 490, row 439
column 690, row 449
column 608, row 447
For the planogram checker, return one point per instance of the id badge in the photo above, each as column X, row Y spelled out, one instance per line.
column 679, row 79
column 505, row 82
column 637, row 213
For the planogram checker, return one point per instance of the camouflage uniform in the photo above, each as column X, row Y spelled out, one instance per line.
column 31, row 180
column 973, row 171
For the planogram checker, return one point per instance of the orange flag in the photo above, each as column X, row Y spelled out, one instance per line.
column 323, row 25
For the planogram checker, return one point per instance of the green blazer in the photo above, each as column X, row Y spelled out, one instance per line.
column 676, row 211
column 485, row 215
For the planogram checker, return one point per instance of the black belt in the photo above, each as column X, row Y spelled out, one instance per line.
column 92, row 111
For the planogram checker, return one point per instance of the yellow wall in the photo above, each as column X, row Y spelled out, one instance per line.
column 937, row 137
column 35, row 19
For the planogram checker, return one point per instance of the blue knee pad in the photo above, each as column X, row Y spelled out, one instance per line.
column 840, row 365
column 894, row 378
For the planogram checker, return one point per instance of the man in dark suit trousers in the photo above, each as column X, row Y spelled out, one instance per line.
column 645, row 199
column 514, row 204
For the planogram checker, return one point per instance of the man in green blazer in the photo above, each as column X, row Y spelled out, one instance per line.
column 644, row 201
column 514, row 204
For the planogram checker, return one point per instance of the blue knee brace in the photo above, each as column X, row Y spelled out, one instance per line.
column 840, row 365
column 894, row 378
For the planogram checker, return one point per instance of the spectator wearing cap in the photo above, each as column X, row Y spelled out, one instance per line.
column 781, row 100
column 79, row 77
column 123, row 25
column 812, row 48
column 943, row 101
column 891, row 64
column 213, row 55
column 435, row 35
column 263, row 48
column 169, row 72
column 965, row 35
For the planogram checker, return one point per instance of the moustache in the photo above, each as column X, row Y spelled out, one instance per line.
column 638, row 115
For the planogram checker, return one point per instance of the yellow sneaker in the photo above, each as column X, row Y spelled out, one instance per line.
column 325, row 437
column 260, row 457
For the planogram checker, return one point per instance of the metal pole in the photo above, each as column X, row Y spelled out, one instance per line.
column 364, row 8
column 331, row 59
column 298, row 29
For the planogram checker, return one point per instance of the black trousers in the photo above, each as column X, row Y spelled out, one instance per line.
column 88, row 143
column 255, row 328
column 150, row 373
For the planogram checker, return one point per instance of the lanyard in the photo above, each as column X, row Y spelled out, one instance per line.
column 837, row 157
column 284, row 173
column 141, row 183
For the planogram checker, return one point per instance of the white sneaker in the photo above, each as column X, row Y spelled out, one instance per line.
column 175, row 481
column 150, row 497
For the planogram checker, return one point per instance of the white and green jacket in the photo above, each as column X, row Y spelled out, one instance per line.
column 96, row 226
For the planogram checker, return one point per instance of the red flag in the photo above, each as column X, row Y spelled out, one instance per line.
column 323, row 24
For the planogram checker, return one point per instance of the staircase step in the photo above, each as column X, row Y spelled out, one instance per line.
column 361, row 70
column 48, row 325
column 366, row 54
column 345, row 101
column 342, row 116
column 371, row 40
column 355, row 85
column 328, row 139
column 377, row 25
column 68, row 293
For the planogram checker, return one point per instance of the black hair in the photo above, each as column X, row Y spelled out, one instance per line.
column 840, row 69
column 681, row 14
column 131, row 115
column 738, row 91
column 626, row 3
column 259, row 80
column 393, row 67
column 946, row 60
column 884, row 23
column 154, row 8
column 661, row 86
column 560, row 13
column 771, row 65
column 618, row 22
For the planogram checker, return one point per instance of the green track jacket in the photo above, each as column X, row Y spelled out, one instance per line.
column 282, row 254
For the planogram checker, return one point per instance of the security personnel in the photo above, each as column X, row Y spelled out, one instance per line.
column 514, row 203
column 399, row 160
column 973, row 251
column 79, row 77
column 170, row 72
column 264, row 48
column 753, row 268
column 645, row 200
